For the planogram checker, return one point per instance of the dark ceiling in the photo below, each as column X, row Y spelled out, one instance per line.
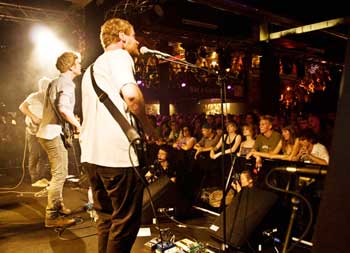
column 236, row 23
column 221, row 23
column 217, row 23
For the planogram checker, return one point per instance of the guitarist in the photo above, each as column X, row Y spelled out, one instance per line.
column 117, row 189
column 32, row 107
column 61, row 92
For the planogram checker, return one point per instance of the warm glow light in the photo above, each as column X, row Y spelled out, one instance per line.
column 47, row 47
column 214, row 64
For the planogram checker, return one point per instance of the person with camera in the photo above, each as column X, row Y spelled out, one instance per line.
column 244, row 179
column 162, row 166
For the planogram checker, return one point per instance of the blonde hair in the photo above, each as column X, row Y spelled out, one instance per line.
column 43, row 83
column 110, row 31
column 66, row 60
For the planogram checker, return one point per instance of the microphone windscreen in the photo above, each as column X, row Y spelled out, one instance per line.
column 144, row 50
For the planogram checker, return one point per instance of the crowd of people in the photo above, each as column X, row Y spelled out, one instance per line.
column 251, row 137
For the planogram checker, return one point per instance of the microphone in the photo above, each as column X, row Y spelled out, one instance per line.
column 269, row 232
column 314, row 171
column 164, row 210
column 145, row 50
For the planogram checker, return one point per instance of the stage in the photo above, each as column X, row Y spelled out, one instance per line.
column 22, row 226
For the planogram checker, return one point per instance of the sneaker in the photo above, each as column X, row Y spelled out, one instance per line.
column 40, row 194
column 59, row 222
column 93, row 215
column 41, row 183
column 45, row 181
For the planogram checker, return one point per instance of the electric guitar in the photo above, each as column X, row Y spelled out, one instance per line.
column 67, row 129
column 68, row 134
column 141, row 147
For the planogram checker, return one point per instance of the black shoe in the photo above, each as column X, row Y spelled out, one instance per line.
column 59, row 222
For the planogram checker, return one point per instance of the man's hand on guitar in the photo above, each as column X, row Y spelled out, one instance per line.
column 76, row 130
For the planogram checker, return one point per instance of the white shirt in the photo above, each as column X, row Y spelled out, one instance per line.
column 35, row 103
column 63, row 87
column 102, row 140
column 320, row 151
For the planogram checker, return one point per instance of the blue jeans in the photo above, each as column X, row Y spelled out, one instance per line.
column 117, row 194
column 58, row 158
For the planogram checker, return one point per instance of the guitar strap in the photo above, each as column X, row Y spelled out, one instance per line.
column 130, row 132
column 53, row 105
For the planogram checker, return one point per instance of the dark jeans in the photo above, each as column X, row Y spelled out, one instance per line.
column 117, row 194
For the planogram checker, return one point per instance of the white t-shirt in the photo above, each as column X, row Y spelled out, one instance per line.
column 35, row 104
column 102, row 140
column 320, row 151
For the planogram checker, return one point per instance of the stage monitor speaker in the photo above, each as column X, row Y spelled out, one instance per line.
column 243, row 215
column 163, row 193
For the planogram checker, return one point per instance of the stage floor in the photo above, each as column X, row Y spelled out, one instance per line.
column 22, row 225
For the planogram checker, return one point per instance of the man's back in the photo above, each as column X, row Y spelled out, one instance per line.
column 102, row 140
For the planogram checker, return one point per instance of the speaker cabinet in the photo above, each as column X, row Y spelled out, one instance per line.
column 243, row 215
column 163, row 195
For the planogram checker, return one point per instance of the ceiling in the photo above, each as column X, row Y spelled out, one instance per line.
column 223, row 23
column 220, row 23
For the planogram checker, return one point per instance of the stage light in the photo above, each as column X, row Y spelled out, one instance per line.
column 47, row 46
column 183, row 85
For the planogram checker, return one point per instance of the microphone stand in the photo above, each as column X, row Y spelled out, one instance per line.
column 222, row 86
column 295, row 206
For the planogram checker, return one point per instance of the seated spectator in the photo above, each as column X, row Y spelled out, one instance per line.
column 288, row 144
column 266, row 141
column 164, row 132
column 185, row 140
column 311, row 151
column 162, row 166
column 247, row 145
column 232, row 140
column 174, row 133
column 208, row 141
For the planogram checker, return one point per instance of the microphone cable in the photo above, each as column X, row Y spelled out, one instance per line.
column 6, row 190
column 183, row 225
column 147, row 189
